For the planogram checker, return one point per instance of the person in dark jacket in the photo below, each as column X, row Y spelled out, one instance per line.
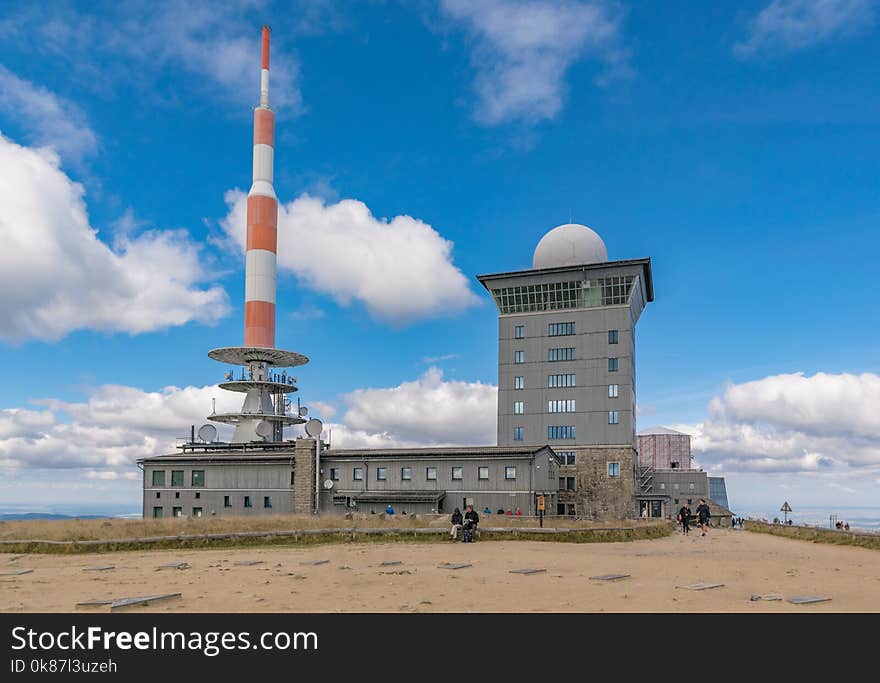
column 684, row 518
column 457, row 521
column 703, row 515
column 471, row 519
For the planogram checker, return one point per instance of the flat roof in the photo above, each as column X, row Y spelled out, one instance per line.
column 645, row 263
column 435, row 451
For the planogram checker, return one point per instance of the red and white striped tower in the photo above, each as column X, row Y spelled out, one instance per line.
column 264, row 413
column 262, row 223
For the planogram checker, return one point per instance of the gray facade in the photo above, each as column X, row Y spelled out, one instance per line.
column 664, row 491
column 425, row 480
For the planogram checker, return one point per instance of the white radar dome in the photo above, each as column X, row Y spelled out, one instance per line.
column 569, row 245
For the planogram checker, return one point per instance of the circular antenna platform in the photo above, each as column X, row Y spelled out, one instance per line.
column 237, row 418
column 263, row 429
column 328, row 484
column 245, row 385
column 246, row 355
column 314, row 427
column 208, row 433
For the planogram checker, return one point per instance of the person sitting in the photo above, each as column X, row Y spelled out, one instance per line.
column 457, row 521
column 487, row 511
column 471, row 520
column 389, row 510
column 500, row 511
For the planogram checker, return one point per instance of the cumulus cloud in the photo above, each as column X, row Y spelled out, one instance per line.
column 787, row 25
column 103, row 435
column 522, row 51
column 57, row 276
column 49, row 120
column 792, row 423
column 401, row 269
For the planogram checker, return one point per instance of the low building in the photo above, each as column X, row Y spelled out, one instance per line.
column 279, row 478
column 664, row 448
column 663, row 491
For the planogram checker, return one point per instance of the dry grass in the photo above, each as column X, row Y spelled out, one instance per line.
column 102, row 535
column 863, row 539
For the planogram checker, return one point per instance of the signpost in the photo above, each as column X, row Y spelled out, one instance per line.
column 541, row 511
column 785, row 509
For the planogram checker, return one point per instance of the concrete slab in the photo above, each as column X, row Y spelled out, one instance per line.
column 95, row 603
column 767, row 597
column 174, row 565
column 806, row 599
column 392, row 563
column 701, row 586
column 247, row 563
column 527, row 570
column 16, row 572
column 449, row 565
column 610, row 577
column 121, row 603
column 100, row 568
column 314, row 563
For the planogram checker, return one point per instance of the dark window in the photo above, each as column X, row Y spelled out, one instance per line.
column 612, row 365
column 517, row 433
column 560, row 329
column 197, row 512
column 566, row 353
column 177, row 477
column 358, row 473
column 570, row 483
column 198, row 495
column 292, row 474
column 158, row 477
column 177, row 494
column 157, row 512
column 406, row 473
column 612, row 336
column 561, row 432
column 560, row 508
column 267, row 501
column 158, row 495
column 247, row 502
column 198, row 477
column 227, row 502
column 519, row 331
column 177, row 512
column 381, row 473
column 334, row 474
column 613, row 469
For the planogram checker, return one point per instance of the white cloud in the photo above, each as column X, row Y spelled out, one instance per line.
column 49, row 120
column 401, row 269
column 426, row 411
column 788, row 25
column 522, row 51
column 57, row 276
column 792, row 423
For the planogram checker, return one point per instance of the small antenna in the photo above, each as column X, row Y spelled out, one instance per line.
column 213, row 406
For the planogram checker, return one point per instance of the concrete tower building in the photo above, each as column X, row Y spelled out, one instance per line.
column 566, row 365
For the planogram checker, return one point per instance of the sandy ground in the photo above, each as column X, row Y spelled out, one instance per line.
column 354, row 581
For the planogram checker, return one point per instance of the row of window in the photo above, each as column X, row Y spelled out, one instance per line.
column 550, row 296
column 562, row 354
column 196, row 479
column 566, row 405
column 457, row 473
column 159, row 512
column 676, row 486
column 555, row 432
column 566, row 457
column 562, row 330
column 560, row 381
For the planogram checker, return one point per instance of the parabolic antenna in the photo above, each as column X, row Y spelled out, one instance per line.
column 328, row 484
column 303, row 411
column 314, row 427
column 208, row 433
column 264, row 429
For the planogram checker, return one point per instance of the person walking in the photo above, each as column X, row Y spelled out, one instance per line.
column 703, row 515
column 457, row 521
column 684, row 518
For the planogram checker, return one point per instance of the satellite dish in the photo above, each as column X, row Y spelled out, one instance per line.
column 303, row 411
column 328, row 484
column 264, row 429
column 314, row 427
column 208, row 433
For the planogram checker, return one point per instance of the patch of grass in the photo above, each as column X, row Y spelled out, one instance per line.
column 833, row 536
column 299, row 537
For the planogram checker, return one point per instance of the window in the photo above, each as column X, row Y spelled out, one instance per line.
column 613, row 336
column 691, row 486
column 517, row 433
column 158, row 477
column 483, row 473
column 292, row 477
column 663, row 486
column 177, row 512
column 518, row 408
column 406, row 473
column 566, row 353
column 510, row 472
column 561, row 482
column 227, row 502
column 456, row 473
column 570, row 484
column 560, row 508
column 381, row 473
column 613, row 469
column 519, row 332
column 552, row 296
column 197, row 512
column 564, row 406
column 613, row 390
column 267, row 501
column 612, row 365
column 157, row 512
column 431, row 473
column 613, row 417
column 247, row 502
column 198, row 495
column 519, row 382
column 561, row 381
column 571, row 509
column 561, row 432
column 177, row 477
column 358, row 473
column 177, row 494
column 158, row 495
column 334, row 474
column 198, row 478
column 566, row 457
column 560, row 329
column 519, row 357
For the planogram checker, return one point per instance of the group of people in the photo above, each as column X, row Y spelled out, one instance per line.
column 487, row 511
column 737, row 522
column 703, row 517
column 842, row 526
column 467, row 523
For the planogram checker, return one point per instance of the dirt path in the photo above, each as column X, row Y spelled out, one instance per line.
column 353, row 579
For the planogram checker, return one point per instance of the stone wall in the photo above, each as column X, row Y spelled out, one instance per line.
column 304, row 476
column 597, row 495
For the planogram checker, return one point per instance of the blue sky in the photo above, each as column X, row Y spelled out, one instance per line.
column 736, row 144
